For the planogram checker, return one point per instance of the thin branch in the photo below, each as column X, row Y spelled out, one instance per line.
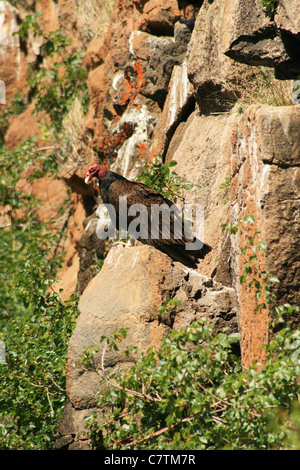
column 160, row 431
column 51, row 407
column 119, row 387
column 42, row 149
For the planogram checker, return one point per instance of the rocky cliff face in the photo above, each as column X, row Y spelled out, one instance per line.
column 197, row 96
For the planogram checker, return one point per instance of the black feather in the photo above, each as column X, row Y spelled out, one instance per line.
column 114, row 186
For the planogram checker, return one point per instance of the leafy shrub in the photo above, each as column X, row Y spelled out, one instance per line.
column 32, row 393
column 269, row 5
column 35, row 323
column 193, row 394
column 164, row 180
column 55, row 88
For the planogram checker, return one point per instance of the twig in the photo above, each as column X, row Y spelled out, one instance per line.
column 59, row 388
column 41, row 149
column 116, row 385
column 6, row 225
column 51, row 407
column 160, row 431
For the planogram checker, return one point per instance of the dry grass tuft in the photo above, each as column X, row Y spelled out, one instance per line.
column 94, row 17
column 259, row 86
column 74, row 142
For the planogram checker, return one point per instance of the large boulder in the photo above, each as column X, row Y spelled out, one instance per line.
column 132, row 284
column 273, row 40
column 258, row 153
column 158, row 56
column 215, row 77
column 232, row 35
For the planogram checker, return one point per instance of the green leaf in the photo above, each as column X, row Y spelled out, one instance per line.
column 249, row 219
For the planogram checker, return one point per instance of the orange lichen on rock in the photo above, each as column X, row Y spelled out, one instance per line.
column 131, row 85
column 140, row 79
column 109, row 146
column 127, row 91
column 142, row 149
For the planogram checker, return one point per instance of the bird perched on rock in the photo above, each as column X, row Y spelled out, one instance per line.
column 147, row 216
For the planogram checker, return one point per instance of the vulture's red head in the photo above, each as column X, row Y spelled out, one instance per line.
column 95, row 171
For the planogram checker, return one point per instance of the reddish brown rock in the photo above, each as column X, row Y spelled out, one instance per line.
column 25, row 125
column 96, row 52
column 13, row 65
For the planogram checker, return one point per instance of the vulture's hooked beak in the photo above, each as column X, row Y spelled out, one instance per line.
column 87, row 178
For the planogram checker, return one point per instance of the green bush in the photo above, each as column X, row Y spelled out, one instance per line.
column 32, row 395
column 164, row 180
column 269, row 5
column 55, row 88
column 192, row 393
column 35, row 324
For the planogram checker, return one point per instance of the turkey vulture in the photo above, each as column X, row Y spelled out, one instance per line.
column 147, row 216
